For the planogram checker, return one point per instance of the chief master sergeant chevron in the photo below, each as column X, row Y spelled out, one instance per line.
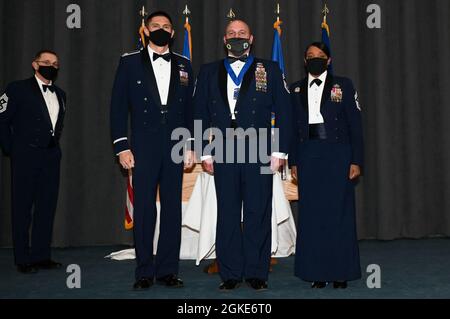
column 155, row 85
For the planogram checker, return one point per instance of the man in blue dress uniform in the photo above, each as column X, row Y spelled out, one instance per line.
column 233, row 95
column 155, row 85
column 327, row 151
column 31, row 121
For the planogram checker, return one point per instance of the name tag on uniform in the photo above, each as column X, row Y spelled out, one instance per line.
column 184, row 78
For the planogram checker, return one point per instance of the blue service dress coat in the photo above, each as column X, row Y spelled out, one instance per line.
column 136, row 93
column 28, row 135
column 327, row 248
column 241, row 187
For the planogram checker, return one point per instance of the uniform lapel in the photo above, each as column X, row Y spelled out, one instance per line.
column 304, row 94
column 62, row 107
column 326, row 92
column 174, row 80
column 37, row 91
column 248, row 77
column 150, row 77
column 223, row 83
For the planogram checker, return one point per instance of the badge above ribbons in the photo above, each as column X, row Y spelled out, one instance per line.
column 3, row 103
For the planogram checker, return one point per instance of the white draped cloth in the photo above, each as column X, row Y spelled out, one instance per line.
column 198, row 233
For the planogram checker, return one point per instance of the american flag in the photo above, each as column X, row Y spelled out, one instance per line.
column 130, row 200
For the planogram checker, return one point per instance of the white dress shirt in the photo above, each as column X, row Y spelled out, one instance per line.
column 315, row 98
column 162, row 70
column 231, row 87
column 51, row 100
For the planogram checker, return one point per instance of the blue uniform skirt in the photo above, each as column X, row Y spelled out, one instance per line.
column 327, row 246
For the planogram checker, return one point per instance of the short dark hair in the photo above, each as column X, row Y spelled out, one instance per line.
column 320, row 45
column 239, row 20
column 158, row 14
column 37, row 56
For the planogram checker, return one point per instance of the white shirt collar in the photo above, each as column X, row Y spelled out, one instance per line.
column 151, row 52
column 322, row 77
column 40, row 82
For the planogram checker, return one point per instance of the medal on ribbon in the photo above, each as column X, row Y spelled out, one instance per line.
column 336, row 93
column 261, row 78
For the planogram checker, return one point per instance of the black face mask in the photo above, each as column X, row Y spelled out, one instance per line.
column 160, row 37
column 316, row 66
column 237, row 46
column 48, row 72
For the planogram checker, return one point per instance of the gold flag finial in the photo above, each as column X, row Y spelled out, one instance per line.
column 278, row 11
column 325, row 12
column 277, row 24
column 142, row 13
column 231, row 15
column 187, row 13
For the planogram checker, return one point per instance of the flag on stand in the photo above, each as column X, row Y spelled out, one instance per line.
column 277, row 48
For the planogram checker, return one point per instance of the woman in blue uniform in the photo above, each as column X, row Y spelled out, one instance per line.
column 327, row 155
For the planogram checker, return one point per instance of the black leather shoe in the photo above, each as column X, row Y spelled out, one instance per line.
column 48, row 264
column 170, row 281
column 319, row 284
column 230, row 284
column 143, row 284
column 27, row 269
column 257, row 284
column 340, row 284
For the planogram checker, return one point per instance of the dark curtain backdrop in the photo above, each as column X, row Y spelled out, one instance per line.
column 401, row 73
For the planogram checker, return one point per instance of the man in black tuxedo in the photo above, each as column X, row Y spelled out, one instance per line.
column 31, row 122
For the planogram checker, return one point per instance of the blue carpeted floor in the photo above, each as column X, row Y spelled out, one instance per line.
column 409, row 269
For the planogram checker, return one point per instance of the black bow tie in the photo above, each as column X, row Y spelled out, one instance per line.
column 51, row 88
column 315, row 81
column 166, row 56
column 232, row 59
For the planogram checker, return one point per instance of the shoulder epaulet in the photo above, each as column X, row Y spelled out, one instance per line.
column 131, row 53
column 181, row 56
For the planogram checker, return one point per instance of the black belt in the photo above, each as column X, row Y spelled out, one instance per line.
column 317, row 132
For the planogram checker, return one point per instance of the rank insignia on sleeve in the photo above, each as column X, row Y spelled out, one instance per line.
column 286, row 86
column 3, row 103
column 358, row 106
column 336, row 93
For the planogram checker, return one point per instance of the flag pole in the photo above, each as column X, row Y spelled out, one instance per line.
column 187, row 26
column 325, row 12
column 277, row 24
